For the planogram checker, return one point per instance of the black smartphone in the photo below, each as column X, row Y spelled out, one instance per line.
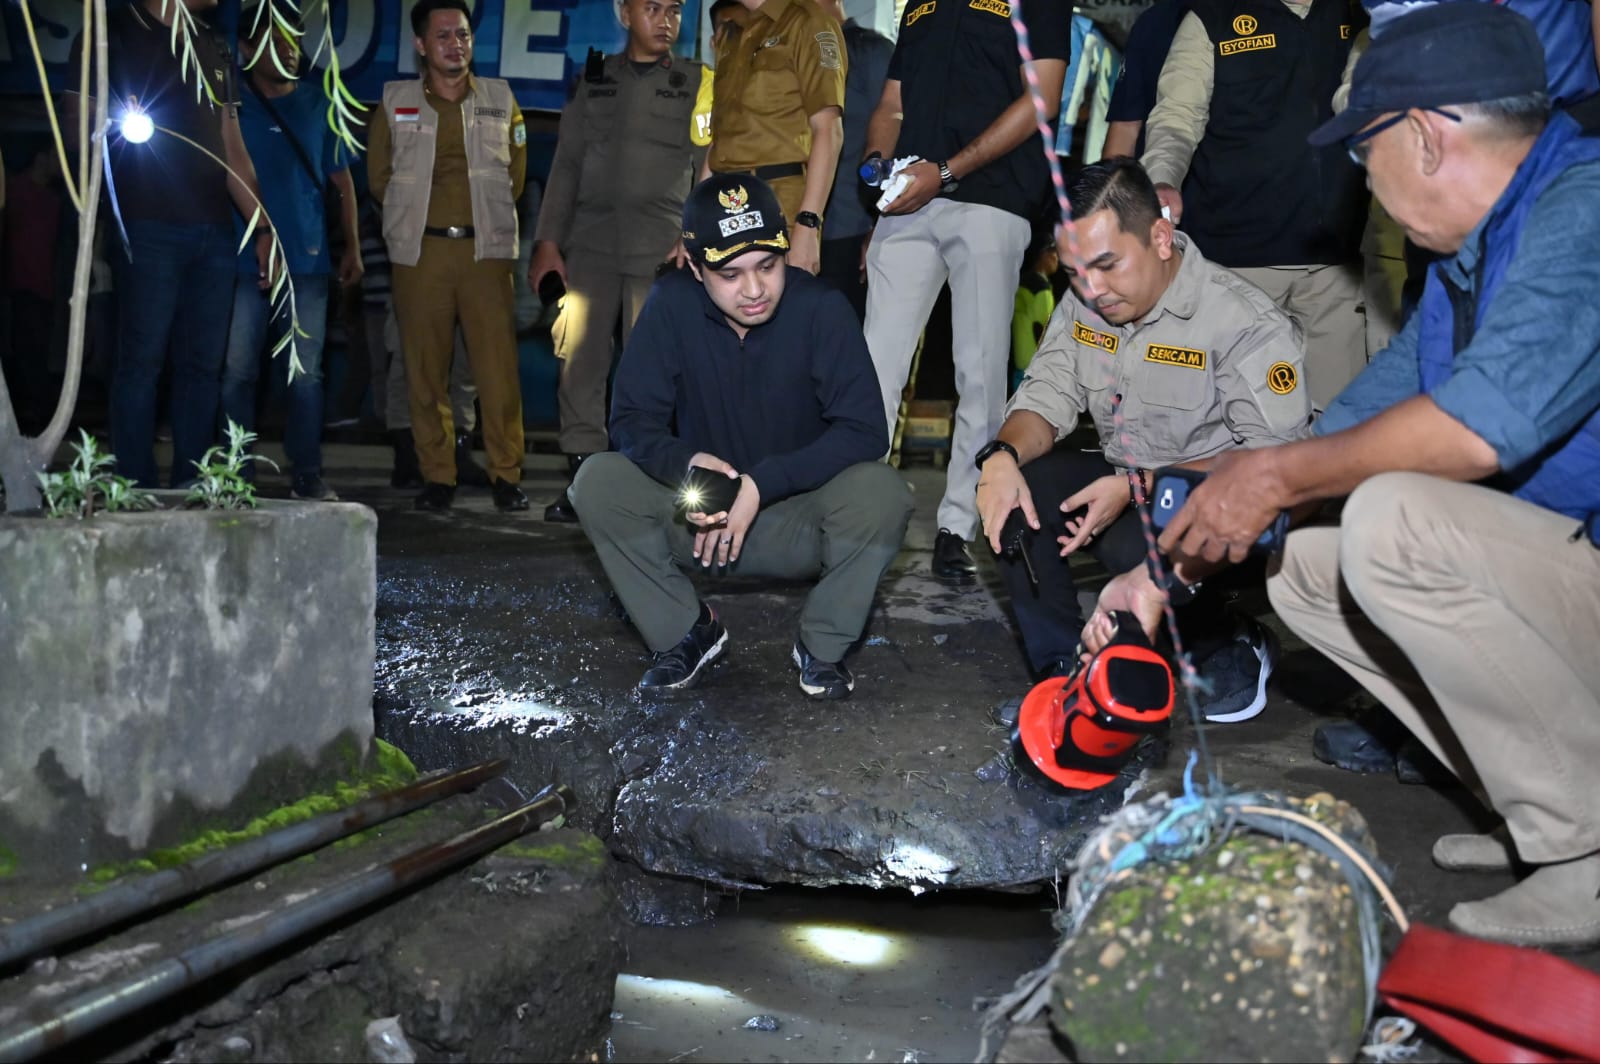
column 1170, row 491
column 705, row 491
column 551, row 289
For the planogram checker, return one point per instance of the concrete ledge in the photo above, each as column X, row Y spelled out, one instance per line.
column 164, row 671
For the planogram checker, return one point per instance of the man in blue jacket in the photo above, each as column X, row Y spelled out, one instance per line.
column 758, row 372
column 1461, row 586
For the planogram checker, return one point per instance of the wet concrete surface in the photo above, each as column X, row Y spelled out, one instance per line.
column 496, row 636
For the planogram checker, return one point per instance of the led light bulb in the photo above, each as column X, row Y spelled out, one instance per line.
column 692, row 499
column 137, row 126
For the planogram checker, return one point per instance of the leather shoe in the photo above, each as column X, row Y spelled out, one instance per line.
column 561, row 512
column 1556, row 907
column 950, row 558
column 508, row 498
column 436, row 498
column 1490, row 852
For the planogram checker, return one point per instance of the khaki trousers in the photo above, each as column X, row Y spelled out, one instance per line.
column 846, row 533
column 596, row 295
column 445, row 286
column 1325, row 301
column 1475, row 618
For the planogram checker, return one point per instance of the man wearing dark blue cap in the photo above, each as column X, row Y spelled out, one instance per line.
column 757, row 372
column 1462, row 584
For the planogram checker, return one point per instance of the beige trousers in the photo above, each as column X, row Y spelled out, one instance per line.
column 1325, row 301
column 596, row 295
column 1475, row 618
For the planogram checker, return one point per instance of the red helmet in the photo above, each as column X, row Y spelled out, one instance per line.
column 1080, row 730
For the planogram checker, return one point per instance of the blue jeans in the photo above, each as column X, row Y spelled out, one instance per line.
column 247, row 346
column 175, row 294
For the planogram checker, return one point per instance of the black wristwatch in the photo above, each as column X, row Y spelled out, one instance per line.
column 809, row 219
column 988, row 451
column 949, row 180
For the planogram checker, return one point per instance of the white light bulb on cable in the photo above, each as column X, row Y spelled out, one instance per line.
column 137, row 127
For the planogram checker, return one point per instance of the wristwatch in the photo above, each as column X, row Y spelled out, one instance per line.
column 988, row 451
column 809, row 219
column 1178, row 592
column 949, row 180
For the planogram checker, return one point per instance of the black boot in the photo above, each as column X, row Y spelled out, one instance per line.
column 407, row 473
column 561, row 511
column 468, row 472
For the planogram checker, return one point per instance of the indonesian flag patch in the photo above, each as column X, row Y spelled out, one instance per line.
column 407, row 114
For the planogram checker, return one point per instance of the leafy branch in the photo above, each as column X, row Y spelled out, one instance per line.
column 89, row 485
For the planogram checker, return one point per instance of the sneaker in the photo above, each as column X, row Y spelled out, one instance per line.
column 436, row 497
column 1238, row 674
column 1368, row 743
column 822, row 679
column 313, row 487
column 508, row 498
column 681, row 667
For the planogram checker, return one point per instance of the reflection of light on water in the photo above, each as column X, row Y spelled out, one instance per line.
column 848, row 945
column 676, row 990
column 522, row 715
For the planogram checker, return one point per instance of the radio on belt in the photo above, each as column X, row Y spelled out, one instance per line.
column 1171, row 490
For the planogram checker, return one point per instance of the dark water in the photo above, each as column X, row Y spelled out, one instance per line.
column 849, row 975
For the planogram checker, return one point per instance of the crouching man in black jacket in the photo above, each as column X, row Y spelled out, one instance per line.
column 757, row 372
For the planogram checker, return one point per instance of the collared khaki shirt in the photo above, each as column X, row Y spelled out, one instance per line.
column 785, row 66
column 1215, row 365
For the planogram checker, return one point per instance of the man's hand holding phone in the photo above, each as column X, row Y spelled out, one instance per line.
column 721, row 504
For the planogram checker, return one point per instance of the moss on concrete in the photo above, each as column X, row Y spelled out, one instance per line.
column 387, row 769
column 585, row 851
column 8, row 863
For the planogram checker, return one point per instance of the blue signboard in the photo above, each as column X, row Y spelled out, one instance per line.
column 536, row 45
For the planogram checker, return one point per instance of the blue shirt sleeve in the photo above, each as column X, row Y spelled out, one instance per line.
column 644, row 395
column 852, row 405
column 1391, row 376
column 1531, row 374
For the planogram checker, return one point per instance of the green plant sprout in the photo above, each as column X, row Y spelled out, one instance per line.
column 89, row 485
column 221, row 484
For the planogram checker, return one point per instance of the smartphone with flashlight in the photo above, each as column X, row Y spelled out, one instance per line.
column 706, row 491
column 1170, row 490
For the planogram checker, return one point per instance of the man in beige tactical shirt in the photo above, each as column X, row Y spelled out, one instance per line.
column 1202, row 361
column 633, row 133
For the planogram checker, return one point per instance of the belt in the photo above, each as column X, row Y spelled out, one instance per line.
column 452, row 232
column 771, row 173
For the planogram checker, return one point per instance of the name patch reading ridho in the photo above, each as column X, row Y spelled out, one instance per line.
column 1186, row 357
column 1085, row 335
column 1248, row 44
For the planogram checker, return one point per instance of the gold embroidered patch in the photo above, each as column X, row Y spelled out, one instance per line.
column 1244, row 25
column 1282, row 378
column 1344, row 32
column 1186, row 357
column 993, row 7
column 1085, row 335
column 1248, row 44
column 920, row 10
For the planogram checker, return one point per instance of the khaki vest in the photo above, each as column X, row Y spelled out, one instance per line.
column 488, row 139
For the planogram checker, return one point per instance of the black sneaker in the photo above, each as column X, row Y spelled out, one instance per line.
column 508, row 498
column 436, row 498
column 312, row 487
column 1238, row 674
column 1368, row 743
column 681, row 667
column 821, row 679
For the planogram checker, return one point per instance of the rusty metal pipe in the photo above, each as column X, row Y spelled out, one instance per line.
column 132, row 897
column 48, row 1028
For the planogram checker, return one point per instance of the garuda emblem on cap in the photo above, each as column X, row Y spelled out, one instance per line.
column 734, row 200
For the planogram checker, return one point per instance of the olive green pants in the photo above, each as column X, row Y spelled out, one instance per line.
column 845, row 533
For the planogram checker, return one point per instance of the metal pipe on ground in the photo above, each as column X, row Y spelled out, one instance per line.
column 132, row 897
column 51, row 1027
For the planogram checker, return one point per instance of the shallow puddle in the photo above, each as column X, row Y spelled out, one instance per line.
column 847, row 975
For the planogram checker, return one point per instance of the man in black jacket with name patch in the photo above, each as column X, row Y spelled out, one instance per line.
column 757, row 372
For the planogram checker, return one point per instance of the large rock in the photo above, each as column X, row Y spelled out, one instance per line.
column 162, row 671
column 498, row 639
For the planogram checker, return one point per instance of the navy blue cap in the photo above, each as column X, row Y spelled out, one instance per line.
column 1461, row 51
column 727, row 215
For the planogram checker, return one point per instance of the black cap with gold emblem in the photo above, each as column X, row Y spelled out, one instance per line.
column 729, row 214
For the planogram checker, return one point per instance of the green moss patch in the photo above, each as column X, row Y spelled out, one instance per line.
column 585, row 850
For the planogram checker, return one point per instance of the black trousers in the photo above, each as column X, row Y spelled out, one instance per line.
column 841, row 269
column 1048, row 614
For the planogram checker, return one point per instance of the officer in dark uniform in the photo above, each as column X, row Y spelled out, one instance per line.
column 632, row 136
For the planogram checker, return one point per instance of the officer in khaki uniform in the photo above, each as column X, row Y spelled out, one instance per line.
column 1202, row 360
column 447, row 164
column 633, row 134
column 781, row 83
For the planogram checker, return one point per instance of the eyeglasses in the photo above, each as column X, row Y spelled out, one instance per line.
column 1352, row 143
